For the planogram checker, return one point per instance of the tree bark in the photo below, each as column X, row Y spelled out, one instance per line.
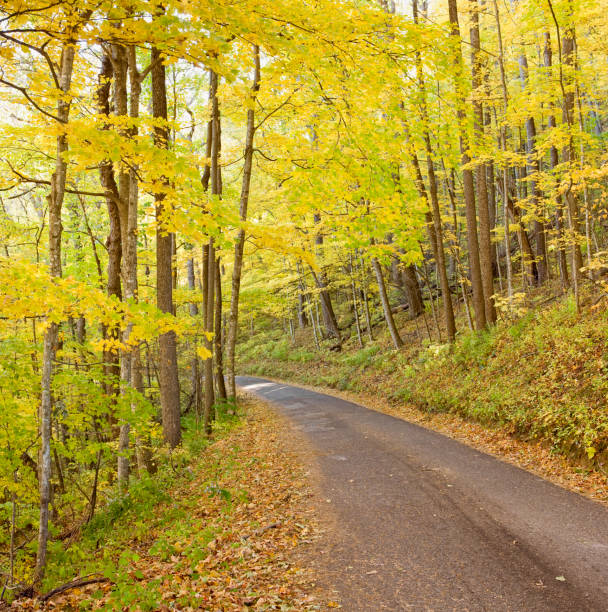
column 218, row 339
column 196, row 392
column 118, row 248
column 467, row 178
column 55, row 201
column 386, row 307
column 168, row 374
column 111, row 357
column 435, row 231
column 485, row 243
column 534, row 170
column 554, row 162
column 412, row 290
column 354, row 296
column 505, row 170
column 239, row 247
column 566, row 52
column 327, row 309
column 209, row 304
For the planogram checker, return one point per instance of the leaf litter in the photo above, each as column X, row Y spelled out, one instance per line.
column 237, row 535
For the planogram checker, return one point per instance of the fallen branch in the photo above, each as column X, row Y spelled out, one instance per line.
column 261, row 530
column 78, row 582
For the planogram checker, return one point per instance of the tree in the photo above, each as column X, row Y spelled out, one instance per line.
column 467, row 178
column 239, row 247
column 168, row 375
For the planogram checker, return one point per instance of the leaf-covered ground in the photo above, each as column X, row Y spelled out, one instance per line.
column 230, row 534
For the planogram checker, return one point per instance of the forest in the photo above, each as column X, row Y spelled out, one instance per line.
column 403, row 200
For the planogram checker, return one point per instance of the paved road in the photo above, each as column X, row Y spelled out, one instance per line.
column 425, row 523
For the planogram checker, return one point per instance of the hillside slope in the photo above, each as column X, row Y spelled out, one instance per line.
column 542, row 378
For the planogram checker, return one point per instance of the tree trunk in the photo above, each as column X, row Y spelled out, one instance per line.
column 113, row 243
column 55, row 202
column 327, row 309
column 566, row 50
column 210, row 256
column 435, row 231
column 485, row 242
column 469, row 185
column 364, row 295
column 386, row 307
column 412, row 290
column 354, row 296
column 554, row 162
column 239, row 247
column 218, row 339
column 196, row 391
column 128, row 251
column 168, row 374
column 209, row 328
column 143, row 451
column 534, row 170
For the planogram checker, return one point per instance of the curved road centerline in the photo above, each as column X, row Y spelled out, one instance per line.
column 426, row 523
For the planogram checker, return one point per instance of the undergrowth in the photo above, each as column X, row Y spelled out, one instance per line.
column 214, row 529
column 121, row 531
column 543, row 377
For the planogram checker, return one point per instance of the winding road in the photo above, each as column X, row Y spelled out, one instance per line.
column 422, row 522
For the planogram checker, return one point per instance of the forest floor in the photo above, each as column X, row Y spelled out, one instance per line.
column 233, row 531
column 531, row 391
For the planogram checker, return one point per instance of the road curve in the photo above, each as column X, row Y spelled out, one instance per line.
column 425, row 523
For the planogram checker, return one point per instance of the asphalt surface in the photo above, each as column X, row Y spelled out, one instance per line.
column 425, row 523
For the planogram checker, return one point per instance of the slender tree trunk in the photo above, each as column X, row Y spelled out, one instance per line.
column 505, row 172
column 427, row 281
column 218, row 339
column 354, row 296
column 111, row 356
column 534, row 170
column 386, row 307
column 491, row 185
column 586, row 195
column 210, row 256
column 568, row 154
column 143, row 451
column 309, row 307
column 302, row 302
column 209, row 404
column 128, row 248
column 435, row 230
column 168, row 374
column 365, row 295
column 55, row 202
column 195, row 363
column 239, row 247
column 327, row 309
column 302, row 318
column 554, row 162
column 485, row 242
column 467, row 179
